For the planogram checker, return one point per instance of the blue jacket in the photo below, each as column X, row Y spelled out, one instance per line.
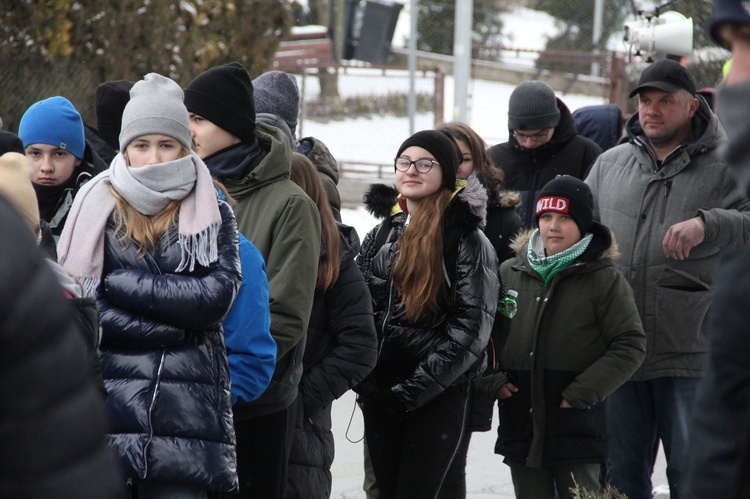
column 164, row 362
column 247, row 328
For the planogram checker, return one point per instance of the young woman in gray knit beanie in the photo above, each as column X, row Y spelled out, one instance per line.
column 149, row 239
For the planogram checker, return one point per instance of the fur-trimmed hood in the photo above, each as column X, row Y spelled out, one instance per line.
column 602, row 247
column 381, row 201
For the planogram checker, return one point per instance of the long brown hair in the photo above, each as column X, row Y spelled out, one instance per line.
column 305, row 175
column 418, row 270
column 492, row 177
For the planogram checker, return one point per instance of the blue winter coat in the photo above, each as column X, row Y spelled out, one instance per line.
column 251, row 349
column 164, row 361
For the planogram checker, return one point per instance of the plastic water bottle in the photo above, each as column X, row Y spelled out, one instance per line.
column 508, row 306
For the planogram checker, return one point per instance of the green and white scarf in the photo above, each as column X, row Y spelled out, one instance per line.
column 548, row 266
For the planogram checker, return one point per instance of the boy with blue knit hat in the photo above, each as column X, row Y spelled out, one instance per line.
column 54, row 141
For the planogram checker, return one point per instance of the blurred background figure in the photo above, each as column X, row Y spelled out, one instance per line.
column 603, row 124
column 52, row 419
column 719, row 449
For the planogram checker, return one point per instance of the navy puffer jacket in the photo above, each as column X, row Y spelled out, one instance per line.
column 164, row 361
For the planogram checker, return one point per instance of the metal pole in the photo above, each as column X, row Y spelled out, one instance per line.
column 462, row 58
column 412, row 104
column 597, row 33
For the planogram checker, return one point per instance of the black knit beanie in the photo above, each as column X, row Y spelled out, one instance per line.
column 443, row 147
column 533, row 106
column 10, row 142
column 110, row 100
column 570, row 196
column 224, row 96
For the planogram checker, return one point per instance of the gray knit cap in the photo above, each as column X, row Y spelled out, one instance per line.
column 533, row 106
column 156, row 106
column 276, row 92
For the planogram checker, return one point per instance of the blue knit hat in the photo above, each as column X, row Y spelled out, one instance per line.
column 56, row 122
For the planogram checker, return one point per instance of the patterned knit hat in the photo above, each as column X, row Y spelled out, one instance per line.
column 55, row 122
column 533, row 106
column 570, row 196
column 155, row 107
column 224, row 96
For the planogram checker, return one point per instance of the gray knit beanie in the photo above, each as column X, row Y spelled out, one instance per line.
column 155, row 107
column 276, row 92
column 533, row 106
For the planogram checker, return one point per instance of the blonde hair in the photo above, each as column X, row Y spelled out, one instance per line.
column 418, row 269
column 304, row 174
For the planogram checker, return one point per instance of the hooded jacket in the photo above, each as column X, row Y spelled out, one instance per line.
column 577, row 338
column 328, row 170
column 601, row 123
column 639, row 200
column 340, row 351
column 284, row 224
column 527, row 170
column 418, row 361
column 164, row 362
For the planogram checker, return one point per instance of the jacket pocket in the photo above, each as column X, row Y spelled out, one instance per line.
column 682, row 303
column 576, row 434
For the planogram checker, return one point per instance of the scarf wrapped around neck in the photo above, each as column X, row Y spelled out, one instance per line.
column 149, row 190
column 548, row 266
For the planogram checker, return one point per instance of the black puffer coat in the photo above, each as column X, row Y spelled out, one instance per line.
column 527, row 170
column 52, row 417
column 164, row 361
column 418, row 361
column 340, row 352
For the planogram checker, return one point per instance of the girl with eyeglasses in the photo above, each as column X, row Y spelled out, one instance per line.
column 433, row 278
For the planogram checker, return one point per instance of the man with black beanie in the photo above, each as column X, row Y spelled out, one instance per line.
column 253, row 160
column 543, row 143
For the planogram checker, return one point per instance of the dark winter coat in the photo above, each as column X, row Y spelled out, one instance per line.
column 340, row 351
column 52, row 418
column 577, row 338
column 527, row 170
column 164, row 361
column 601, row 123
column 418, row 361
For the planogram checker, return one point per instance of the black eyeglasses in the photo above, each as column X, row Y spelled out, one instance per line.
column 534, row 137
column 423, row 165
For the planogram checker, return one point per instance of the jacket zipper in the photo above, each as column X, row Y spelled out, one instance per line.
column 151, row 407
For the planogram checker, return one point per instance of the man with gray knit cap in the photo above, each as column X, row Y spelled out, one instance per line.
column 673, row 204
column 276, row 92
column 543, row 144
column 253, row 160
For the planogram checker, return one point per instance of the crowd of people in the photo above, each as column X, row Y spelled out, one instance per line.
column 182, row 303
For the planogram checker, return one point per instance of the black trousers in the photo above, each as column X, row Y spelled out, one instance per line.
column 263, row 447
column 411, row 452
